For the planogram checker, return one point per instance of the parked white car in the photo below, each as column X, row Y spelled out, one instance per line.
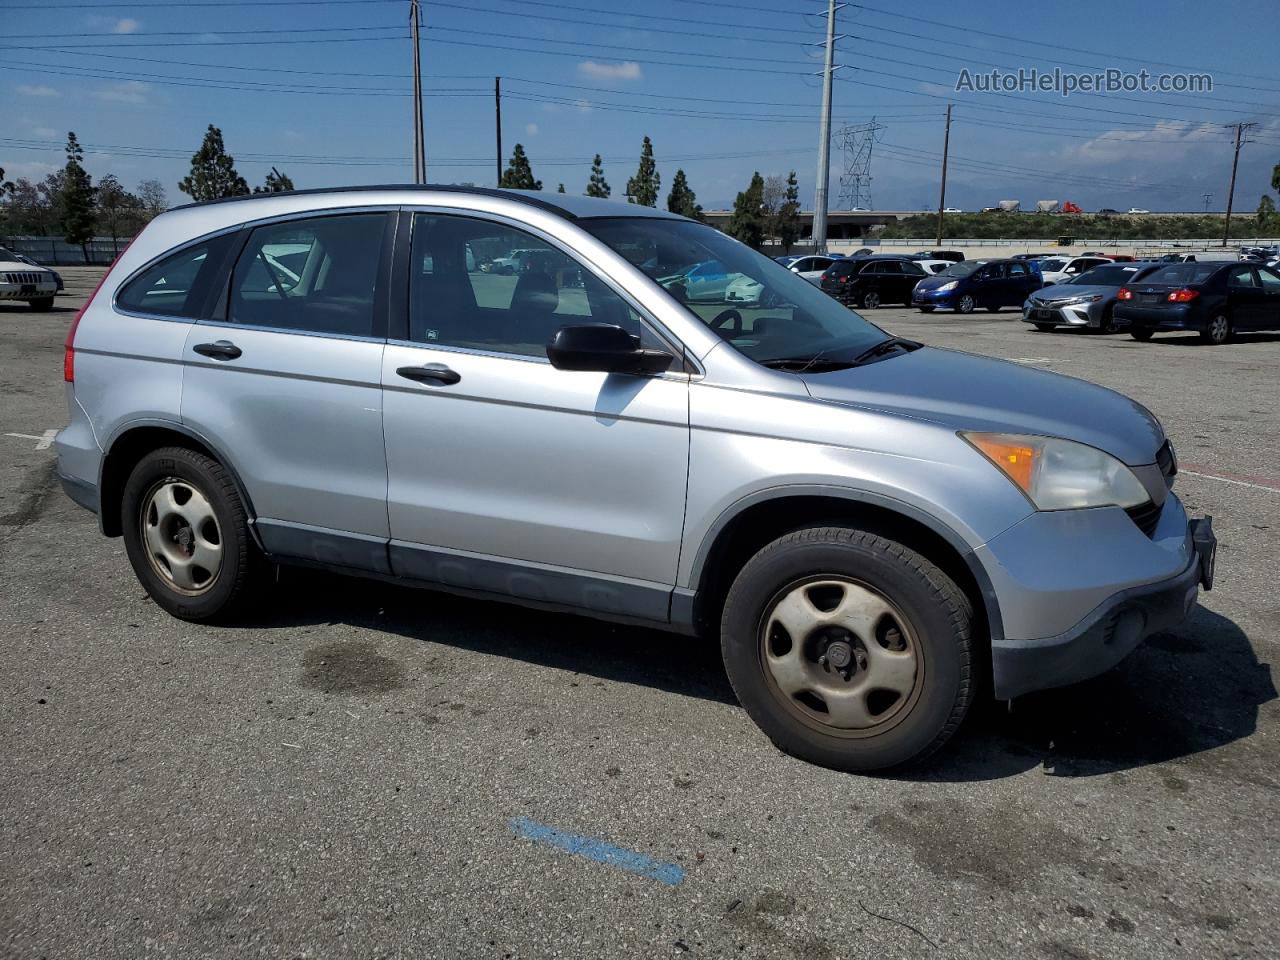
column 1138, row 210
column 1059, row 269
column 952, row 210
column 934, row 266
column 812, row 268
column 23, row 281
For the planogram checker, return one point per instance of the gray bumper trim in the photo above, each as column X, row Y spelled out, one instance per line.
column 1098, row 642
column 81, row 491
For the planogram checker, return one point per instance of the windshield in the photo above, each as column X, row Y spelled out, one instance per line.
column 1106, row 276
column 1052, row 265
column 1184, row 273
column 760, row 307
column 962, row 269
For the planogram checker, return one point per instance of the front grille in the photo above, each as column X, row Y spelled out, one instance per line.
column 1145, row 516
column 24, row 277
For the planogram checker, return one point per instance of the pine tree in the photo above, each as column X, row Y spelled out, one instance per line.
column 644, row 186
column 681, row 199
column 597, row 186
column 788, row 227
column 75, row 199
column 1266, row 210
column 519, row 175
column 748, row 222
column 213, row 171
column 277, row 182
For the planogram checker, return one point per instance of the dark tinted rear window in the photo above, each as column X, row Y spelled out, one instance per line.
column 1185, row 273
column 178, row 284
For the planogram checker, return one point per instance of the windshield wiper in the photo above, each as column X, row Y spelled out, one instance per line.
column 883, row 347
column 801, row 364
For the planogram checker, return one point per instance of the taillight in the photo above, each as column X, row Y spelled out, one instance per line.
column 69, row 348
column 1124, row 293
column 1182, row 296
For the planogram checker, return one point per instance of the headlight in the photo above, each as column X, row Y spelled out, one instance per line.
column 1058, row 474
column 948, row 286
column 1075, row 301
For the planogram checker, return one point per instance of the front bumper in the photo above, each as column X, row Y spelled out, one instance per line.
column 27, row 291
column 1068, row 315
column 1116, row 620
column 932, row 298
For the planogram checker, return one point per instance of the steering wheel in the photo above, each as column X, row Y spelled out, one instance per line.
column 724, row 316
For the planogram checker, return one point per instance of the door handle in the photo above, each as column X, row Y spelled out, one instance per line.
column 430, row 373
column 219, row 350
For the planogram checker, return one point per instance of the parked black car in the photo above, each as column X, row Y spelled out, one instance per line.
column 869, row 282
column 955, row 256
column 1214, row 299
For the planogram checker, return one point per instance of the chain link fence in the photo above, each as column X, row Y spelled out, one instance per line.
column 56, row 252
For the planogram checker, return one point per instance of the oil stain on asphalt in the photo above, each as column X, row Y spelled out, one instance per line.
column 350, row 669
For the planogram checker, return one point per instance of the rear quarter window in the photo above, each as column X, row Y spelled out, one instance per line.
column 178, row 284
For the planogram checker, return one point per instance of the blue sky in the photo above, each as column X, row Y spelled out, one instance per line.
column 722, row 88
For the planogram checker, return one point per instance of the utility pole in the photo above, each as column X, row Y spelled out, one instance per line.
column 1231, row 191
column 419, row 151
column 497, row 120
column 824, row 137
column 942, row 191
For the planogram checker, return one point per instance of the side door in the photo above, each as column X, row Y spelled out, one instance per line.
column 284, row 378
column 505, row 474
column 1021, row 283
column 912, row 273
column 986, row 285
column 1270, row 280
column 1244, row 297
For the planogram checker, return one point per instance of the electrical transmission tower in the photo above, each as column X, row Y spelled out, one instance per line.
column 855, row 182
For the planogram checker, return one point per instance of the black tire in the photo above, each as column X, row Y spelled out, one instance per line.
column 1217, row 331
column 1108, row 322
column 936, row 614
column 869, row 300
column 1141, row 335
column 1045, row 327
column 965, row 304
column 43, row 305
column 925, row 309
column 232, row 588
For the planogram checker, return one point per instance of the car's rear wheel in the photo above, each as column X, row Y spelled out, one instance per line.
column 849, row 650
column 925, row 309
column 187, row 535
column 870, row 300
column 1217, row 331
column 1108, row 322
column 43, row 305
column 1141, row 334
column 965, row 304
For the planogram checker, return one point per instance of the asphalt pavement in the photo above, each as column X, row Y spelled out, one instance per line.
column 375, row 771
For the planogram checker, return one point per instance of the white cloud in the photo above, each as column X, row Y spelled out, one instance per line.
column 126, row 25
column 131, row 91
column 28, row 90
column 610, row 71
column 44, row 132
column 531, row 129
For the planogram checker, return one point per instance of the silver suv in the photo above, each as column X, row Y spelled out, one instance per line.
column 871, row 527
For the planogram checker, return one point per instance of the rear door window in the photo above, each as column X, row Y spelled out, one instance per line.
column 317, row 275
column 179, row 284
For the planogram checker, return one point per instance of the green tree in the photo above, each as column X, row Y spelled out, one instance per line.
column 118, row 210
column 277, row 182
column 681, row 199
column 561, row 190
column 213, row 171
column 519, row 175
column 1275, row 178
column 75, row 200
column 1266, row 210
column 644, row 186
column 597, row 186
column 748, row 220
column 6, row 187
column 787, row 227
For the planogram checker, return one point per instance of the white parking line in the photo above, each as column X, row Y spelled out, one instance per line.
column 1035, row 360
column 43, row 442
column 1238, row 483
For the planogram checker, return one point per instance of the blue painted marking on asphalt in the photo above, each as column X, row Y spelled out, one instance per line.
column 598, row 850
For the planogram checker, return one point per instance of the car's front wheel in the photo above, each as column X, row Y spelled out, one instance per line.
column 1142, row 335
column 187, row 535
column 848, row 649
column 870, row 300
column 965, row 304
column 925, row 309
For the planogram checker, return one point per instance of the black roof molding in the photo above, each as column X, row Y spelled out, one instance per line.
column 520, row 196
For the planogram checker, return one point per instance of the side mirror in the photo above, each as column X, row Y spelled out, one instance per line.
column 605, row 348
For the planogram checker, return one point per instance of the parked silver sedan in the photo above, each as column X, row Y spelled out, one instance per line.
column 1087, row 300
